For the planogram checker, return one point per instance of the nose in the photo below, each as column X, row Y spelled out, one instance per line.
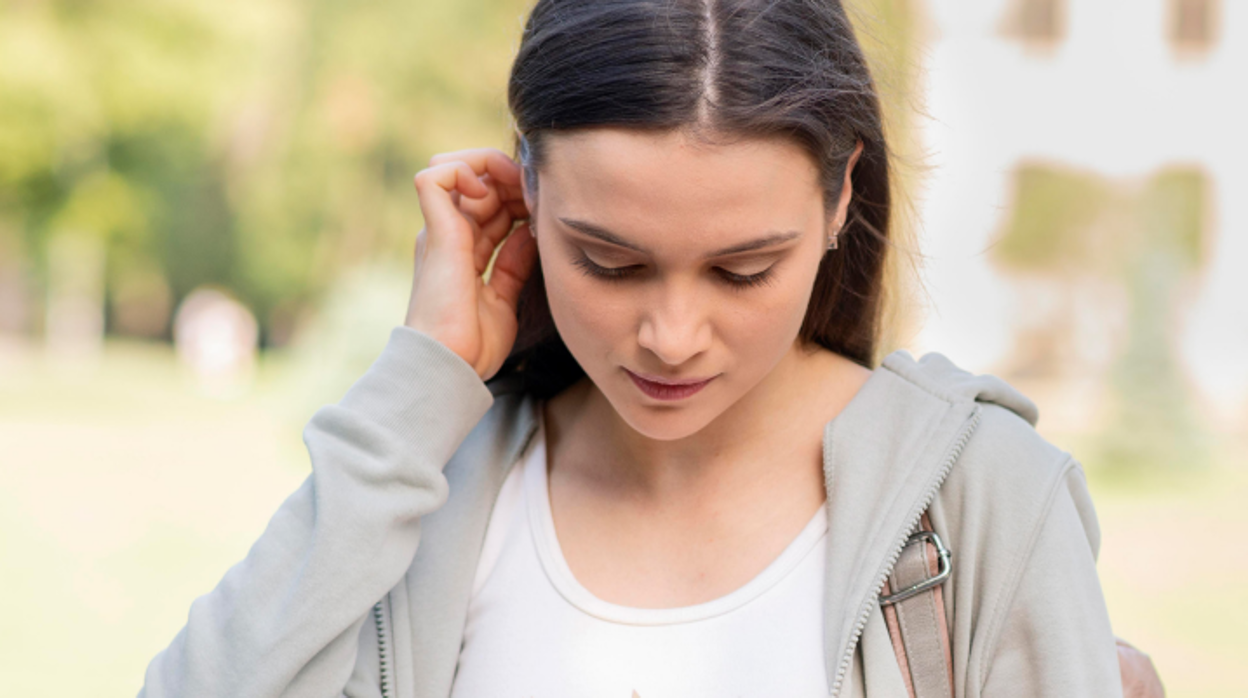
column 675, row 329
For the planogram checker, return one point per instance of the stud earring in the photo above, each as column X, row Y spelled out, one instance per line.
column 833, row 242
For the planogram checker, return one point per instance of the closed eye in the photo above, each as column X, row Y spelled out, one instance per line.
column 747, row 280
column 740, row 281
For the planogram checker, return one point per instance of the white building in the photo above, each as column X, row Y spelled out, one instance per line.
column 1124, row 89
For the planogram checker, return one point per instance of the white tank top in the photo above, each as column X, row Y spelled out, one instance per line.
column 534, row 632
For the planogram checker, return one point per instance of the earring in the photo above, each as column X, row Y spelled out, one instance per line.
column 833, row 243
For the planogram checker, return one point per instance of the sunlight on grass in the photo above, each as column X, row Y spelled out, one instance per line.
column 126, row 497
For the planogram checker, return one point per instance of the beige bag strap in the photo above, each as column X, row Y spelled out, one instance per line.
column 914, row 608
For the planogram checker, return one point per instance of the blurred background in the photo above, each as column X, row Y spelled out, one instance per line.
column 206, row 229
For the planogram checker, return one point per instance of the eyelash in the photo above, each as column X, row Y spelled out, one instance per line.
column 737, row 281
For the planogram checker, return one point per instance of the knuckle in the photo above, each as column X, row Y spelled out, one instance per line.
column 430, row 174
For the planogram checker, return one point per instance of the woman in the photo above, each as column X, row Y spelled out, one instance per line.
column 648, row 456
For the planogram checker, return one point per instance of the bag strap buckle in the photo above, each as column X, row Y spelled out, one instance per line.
column 943, row 568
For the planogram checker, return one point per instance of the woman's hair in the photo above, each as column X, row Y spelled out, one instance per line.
column 720, row 70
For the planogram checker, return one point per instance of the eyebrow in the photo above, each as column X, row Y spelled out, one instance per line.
column 600, row 233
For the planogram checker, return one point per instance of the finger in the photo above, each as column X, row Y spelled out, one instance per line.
column 514, row 265
column 512, row 196
column 483, row 209
column 454, row 175
column 517, row 209
column 509, row 192
column 434, row 186
column 492, row 232
column 484, row 160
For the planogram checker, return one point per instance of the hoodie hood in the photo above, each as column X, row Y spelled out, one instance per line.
column 940, row 376
column 885, row 456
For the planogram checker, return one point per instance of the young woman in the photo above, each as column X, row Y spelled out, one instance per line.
column 649, row 451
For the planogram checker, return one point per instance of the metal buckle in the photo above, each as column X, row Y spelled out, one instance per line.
column 944, row 566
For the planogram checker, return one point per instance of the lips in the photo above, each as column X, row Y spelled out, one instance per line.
column 667, row 389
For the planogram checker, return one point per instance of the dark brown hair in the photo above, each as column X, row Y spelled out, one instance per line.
column 721, row 69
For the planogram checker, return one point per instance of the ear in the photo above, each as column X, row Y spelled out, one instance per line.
column 530, row 200
column 528, row 188
column 847, row 190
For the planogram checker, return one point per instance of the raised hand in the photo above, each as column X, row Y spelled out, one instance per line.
column 470, row 200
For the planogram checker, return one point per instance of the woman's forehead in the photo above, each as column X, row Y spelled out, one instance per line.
column 668, row 181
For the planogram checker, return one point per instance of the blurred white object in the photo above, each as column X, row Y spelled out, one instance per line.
column 216, row 338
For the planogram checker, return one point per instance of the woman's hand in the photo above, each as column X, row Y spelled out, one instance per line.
column 1139, row 676
column 470, row 200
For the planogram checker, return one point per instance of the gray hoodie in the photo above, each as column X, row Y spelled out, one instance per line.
column 360, row 583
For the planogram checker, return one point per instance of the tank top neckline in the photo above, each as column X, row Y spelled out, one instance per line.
column 555, row 566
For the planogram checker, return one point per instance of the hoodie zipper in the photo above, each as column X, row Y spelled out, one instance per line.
column 379, row 620
column 379, row 610
column 946, row 466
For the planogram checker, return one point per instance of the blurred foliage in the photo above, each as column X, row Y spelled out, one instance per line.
column 1157, row 425
column 262, row 146
column 1149, row 240
column 1052, row 219
column 1173, row 217
column 1080, row 221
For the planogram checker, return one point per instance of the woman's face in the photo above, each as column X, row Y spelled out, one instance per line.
column 673, row 260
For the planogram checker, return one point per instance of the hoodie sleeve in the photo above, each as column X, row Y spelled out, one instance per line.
column 285, row 621
column 1055, row 638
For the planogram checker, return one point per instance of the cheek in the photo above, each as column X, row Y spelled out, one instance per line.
column 759, row 331
column 772, row 315
column 590, row 320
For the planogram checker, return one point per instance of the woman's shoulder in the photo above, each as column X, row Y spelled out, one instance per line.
column 1005, row 451
column 1008, row 481
column 1009, row 487
column 1007, row 476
